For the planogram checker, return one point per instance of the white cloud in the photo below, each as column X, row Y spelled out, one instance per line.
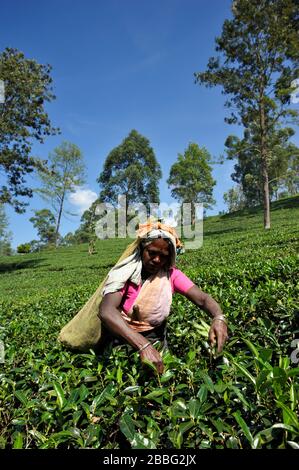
column 82, row 199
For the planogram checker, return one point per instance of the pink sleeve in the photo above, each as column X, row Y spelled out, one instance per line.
column 180, row 282
column 129, row 292
column 123, row 289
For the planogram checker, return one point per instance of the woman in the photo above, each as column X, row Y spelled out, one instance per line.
column 138, row 291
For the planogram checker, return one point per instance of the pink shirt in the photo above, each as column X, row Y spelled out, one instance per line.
column 180, row 283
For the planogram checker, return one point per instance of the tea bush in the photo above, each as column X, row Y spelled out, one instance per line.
column 245, row 398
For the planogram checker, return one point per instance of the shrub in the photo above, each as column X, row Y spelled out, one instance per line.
column 24, row 248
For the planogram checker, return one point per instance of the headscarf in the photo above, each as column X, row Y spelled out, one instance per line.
column 130, row 266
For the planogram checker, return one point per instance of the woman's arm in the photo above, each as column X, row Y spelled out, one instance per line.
column 111, row 317
column 218, row 330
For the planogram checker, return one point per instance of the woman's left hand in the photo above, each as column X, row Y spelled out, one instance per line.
column 218, row 334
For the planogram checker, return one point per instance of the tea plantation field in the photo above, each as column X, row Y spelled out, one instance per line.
column 246, row 398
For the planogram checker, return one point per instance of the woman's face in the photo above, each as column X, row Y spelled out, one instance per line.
column 155, row 256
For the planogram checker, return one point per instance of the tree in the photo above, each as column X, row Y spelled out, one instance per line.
column 24, row 248
column 35, row 246
column 291, row 179
column 86, row 231
column 5, row 235
column 131, row 169
column 247, row 169
column 69, row 239
column 23, row 120
column 259, row 46
column 234, row 199
column 67, row 174
column 44, row 223
column 191, row 178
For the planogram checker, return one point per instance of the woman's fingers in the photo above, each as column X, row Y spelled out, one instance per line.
column 218, row 332
column 152, row 355
column 212, row 337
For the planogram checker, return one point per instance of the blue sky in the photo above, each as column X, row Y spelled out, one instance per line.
column 120, row 65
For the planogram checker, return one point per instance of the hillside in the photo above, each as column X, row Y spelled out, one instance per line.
column 239, row 233
column 247, row 398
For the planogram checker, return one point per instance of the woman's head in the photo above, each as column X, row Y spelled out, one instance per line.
column 154, row 249
column 156, row 254
column 161, row 242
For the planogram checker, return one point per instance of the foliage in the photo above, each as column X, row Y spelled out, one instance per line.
column 5, row 235
column 35, row 246
column 68, row 239
column 191, row 177
column 131, row 169
column 257, row 49
column 86, row 231
column 246, row 398
column 291, row 179
column 44, row 223
column 5, row 248
column 3, row 222
column 23, row 121
column 24, row 248
column 66, row 175
column 234, row 198
column 283, row 164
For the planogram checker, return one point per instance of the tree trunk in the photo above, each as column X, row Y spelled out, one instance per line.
column 266, row 196
column 192, row 214
column 264, row 161
column 58, row 219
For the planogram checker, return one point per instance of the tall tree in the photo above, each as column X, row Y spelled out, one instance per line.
column 234, row 199
column 247, row 169
column 86, row 231
column 23, row 120
column 191, row 177
column 69, row 239
column 5, row 235
column 291, row 180
column 259, row 46
column 67, row 174
column 131, row 169
column 44, row 222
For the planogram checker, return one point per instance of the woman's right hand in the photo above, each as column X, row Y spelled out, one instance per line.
column 152, row 355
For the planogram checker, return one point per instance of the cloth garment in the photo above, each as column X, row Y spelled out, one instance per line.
column 83, row 331
column 149, row 302
column 152, row 304
column 179, row 283
column 145, row 229
column 130, row 267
